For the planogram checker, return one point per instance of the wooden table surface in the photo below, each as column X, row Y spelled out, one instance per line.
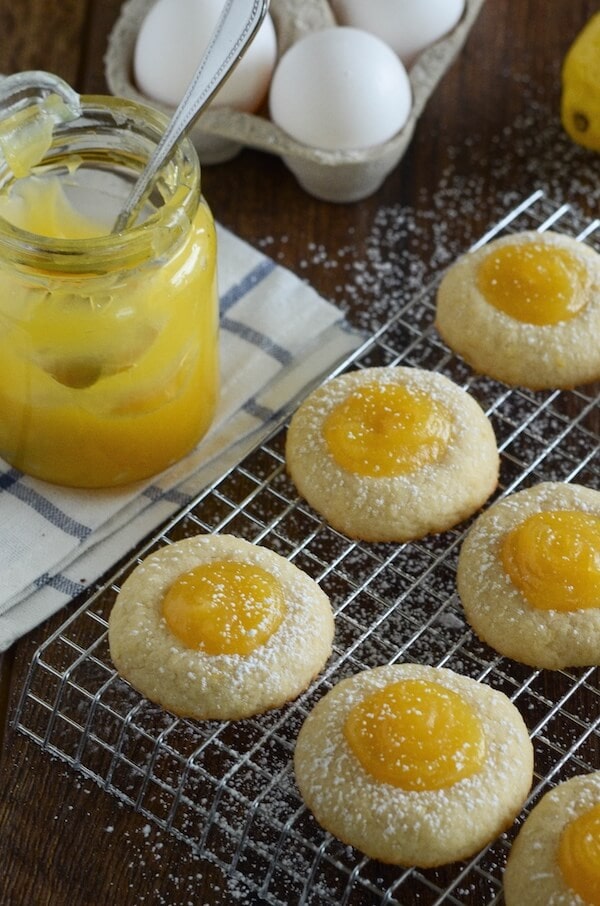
column 489, row 136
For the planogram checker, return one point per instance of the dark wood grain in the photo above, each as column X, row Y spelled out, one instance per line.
column 490, row 133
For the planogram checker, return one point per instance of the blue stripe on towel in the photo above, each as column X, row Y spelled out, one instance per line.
column 258, row 339
column 256, row 409
column 7, row 479
column 154, row 493
column 254, row 277
column 60, row 583
column 11, row 481
column 237, row 292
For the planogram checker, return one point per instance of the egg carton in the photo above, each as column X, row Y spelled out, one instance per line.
column 221, row 133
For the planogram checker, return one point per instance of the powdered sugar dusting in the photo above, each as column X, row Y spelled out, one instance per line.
column 430, row 498
column 229, row 788
column 221, row 685
column 495, row 607
column 425, row 827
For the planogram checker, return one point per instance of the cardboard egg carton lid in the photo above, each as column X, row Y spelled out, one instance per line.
column 220, row 133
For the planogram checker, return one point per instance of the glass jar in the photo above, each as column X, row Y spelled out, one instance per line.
column 108, row 342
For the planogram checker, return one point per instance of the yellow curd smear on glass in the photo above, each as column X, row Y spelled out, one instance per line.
column 553, row 558
column 224, row 607
column 105, row 378
column 579, row 856
column 533, row 282
column 384, row 430
column 41, row 207
column 416, row 735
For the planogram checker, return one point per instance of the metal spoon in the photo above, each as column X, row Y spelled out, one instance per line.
column 237, row 26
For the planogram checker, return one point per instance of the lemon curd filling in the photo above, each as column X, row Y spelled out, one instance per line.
column 224, row 607
column 533, row 282
column 381, row 431
column 416, row 735
column 579, row 856
column 553, row 558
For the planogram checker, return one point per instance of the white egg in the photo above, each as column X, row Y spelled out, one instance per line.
column 171, row 41
column 340, row 89
column 408, row 26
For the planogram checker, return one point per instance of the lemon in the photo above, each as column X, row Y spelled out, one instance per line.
column 580, row 102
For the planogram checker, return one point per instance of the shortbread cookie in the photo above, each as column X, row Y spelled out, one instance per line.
column 554, row 860
column 525, row 309
column 414, row 765
column 216, row 627
column 392, row 454
column 529, row 576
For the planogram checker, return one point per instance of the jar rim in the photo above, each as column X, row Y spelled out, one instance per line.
column 129, row 131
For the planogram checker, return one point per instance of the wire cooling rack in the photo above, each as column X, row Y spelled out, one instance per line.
column 227, row 789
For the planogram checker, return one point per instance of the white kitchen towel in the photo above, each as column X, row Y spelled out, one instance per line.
column 278, row 338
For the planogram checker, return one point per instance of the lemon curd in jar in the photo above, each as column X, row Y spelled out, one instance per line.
column 108, row 342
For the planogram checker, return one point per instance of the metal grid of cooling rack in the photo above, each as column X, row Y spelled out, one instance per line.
column 227, row 789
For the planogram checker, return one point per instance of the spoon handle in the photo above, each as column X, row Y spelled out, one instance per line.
column 237, row 26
